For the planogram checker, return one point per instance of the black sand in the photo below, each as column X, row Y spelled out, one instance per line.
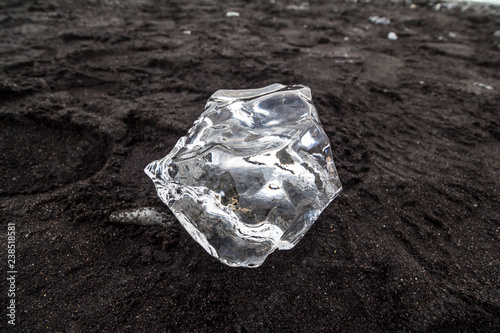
column 92, row 91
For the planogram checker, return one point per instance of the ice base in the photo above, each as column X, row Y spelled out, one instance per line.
column 252, row 175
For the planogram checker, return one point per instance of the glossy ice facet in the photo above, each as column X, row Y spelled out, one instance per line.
column 252, row 175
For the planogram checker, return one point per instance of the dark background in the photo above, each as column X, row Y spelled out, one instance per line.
column 92, row 91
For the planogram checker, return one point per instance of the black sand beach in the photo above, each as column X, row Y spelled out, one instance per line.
column 92, row 91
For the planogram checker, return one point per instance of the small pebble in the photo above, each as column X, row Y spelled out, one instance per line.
column 303, row 6
column 452, row 35
column 187, row 32
column 392, row 36
column 496, row 34
column 482, row 85
column 381, row 20
column 233, row 14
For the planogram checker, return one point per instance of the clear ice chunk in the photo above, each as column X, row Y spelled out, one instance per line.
column 252, row 175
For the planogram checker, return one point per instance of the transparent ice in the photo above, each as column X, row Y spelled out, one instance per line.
column 252, row 175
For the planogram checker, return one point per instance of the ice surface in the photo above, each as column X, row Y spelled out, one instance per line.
column 142, row 216
column 252, row 175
